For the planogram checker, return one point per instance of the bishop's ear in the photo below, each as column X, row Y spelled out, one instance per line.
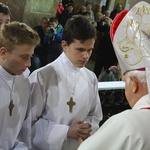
column 135, row 85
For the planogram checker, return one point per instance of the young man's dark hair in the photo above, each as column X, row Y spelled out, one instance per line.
column 4, row 14
column 4, row 9
column 53, row 19
column 78, row 27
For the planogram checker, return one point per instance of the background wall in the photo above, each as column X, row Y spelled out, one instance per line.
column 31, row 11
column 36, row 9
column 16, row 8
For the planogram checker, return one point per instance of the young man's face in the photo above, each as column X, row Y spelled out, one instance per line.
column 4, row 19
column 119, row 8
column 53, row 24
column 70, row 9
column 18, row 60
column 89, row 7
column 44, row 23
column 79, row 52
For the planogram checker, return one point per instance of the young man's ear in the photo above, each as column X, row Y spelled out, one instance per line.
column 3, row 52
column 64, row 45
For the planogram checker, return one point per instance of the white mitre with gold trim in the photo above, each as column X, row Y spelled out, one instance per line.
column 130, row 34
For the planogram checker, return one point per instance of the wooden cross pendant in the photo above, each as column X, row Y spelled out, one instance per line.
column 11, row 106
column 71, row 103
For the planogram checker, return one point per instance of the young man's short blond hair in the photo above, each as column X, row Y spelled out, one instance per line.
column 16, row 33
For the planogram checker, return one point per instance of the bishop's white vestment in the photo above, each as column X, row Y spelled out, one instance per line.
column 15, row 124
column 52, row 87
column 128, row 130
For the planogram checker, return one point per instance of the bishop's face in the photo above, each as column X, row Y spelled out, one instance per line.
column 18, row 60
column 79, row 52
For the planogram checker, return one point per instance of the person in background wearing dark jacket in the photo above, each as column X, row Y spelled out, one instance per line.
column 66, row 14
column 39, row 57
column 66, row 2
column 106, row 56
column 116, row 11
column 111, row 74
column 53, row 37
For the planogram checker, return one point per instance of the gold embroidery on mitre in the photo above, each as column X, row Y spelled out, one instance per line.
column 126, row 56
column 136, row 33
column 145, row 34
column 143, row 10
